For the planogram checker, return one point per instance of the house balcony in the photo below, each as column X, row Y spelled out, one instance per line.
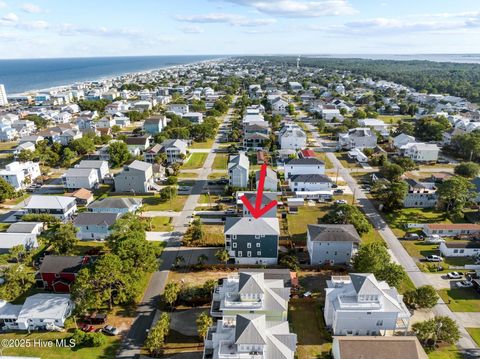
column 351, row 302
column 228, row 350
column 232, row 300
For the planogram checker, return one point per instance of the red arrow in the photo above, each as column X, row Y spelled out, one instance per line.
column 258, row 211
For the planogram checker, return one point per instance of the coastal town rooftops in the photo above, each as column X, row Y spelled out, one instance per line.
column 140, row 165
column 49, row 202
column 311, row 178
column 333, row 233
column 24, row 227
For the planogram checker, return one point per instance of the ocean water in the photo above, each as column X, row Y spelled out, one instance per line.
column 33, row 74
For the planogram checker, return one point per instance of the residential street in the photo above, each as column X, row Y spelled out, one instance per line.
column 400, row 254
column 133, row 341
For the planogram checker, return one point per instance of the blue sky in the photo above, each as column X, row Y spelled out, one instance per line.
column 70, row 28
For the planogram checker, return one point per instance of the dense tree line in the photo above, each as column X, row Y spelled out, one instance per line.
column 456, row 79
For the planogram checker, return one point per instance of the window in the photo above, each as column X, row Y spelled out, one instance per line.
column 239, row 254
column 379, row 323
column 234, row 236
column 258, row 245
column 257, row 236
column 259, row 253
column 249, row 245
column 249, row 253
column 234, row 245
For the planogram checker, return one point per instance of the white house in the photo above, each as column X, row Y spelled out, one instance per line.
column 8, row 240
column 238, row 170
column 360, row 305
column 357, row 155
column 309, row 183
column 292, row 137
column 304, row 166
column 420, row 194
column 76, row 178
column 175, row 149
column 331, row 243
column 376, row 124
column 271, row 181
column 402, row 140
column 279, row 106
column 250, row 336
column 451, row 229
column 194, row 117
column 20, row 174
column 137, row 177
column 460, row 249
column 421, row 152
column 357, row 137
column 177, row 108
column 100, row 166
column 328, row 114
column 44, row 310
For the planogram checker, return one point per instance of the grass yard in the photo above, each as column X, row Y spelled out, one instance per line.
column 4, row 227
column 212, row 237
column 393, row 119
column 153, row 203
column 160, row 224
column 475, row 334
column 187, row 175
column 322, row 156
column 306, row 320
column 105, row 351
column 399, row 219
column 82, row 247
column 297, row 223
column 196, row 160
column 220, row 162
column 371, row 236
column 202, row 145
column 6, row 146
column 196, row 278
column 461, row 299
column 447, row 352
column 177, row 343
column 208, row 199
column 345, row 161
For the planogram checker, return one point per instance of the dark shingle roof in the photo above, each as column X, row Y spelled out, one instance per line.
column 59, row 264
column 311, row 178
column 333, row 233
column 305, row 161
column 90, row 218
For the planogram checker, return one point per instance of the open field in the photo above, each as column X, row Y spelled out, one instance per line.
column 212, row 236
column 217, row 175
column 399, row 219
column 196, row 160
column 187, row 175
column 220, row 162
column 297, row 223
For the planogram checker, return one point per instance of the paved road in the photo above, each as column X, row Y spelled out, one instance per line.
column 134, row 339
column 399, row 253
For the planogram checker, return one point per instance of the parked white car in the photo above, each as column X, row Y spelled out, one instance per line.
column 433, row 258
column 454, row 275
column 434, row 239
column 464, row 284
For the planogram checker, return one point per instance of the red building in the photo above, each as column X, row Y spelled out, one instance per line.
column 307, row 153
column 57, row 273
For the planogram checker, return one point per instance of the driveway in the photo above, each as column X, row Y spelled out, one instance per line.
column 441, row 281
column 133, row 341
column 468, row 319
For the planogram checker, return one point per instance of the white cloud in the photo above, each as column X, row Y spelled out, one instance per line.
column 191, row 29
column 299, row 8
column 10, row 17
column 31, row 8
column 222, row 18
column 3, row 4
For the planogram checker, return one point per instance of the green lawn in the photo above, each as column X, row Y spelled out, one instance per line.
column 297, row 223
column 399, row 219
column 371, row 236
column 461, row 299
column 220, row 162
column 160, row 224
column 210, row 199
column 393, row 119
column 347, row 162
column 84, row 246
column 196, row 160
column 4, row 227
column 306, row 320
column 448, row 352
column 153, row 203
column 187, row 175
column 212, row 237
column 475, row 334
column 202, row 145
column 106, row 351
